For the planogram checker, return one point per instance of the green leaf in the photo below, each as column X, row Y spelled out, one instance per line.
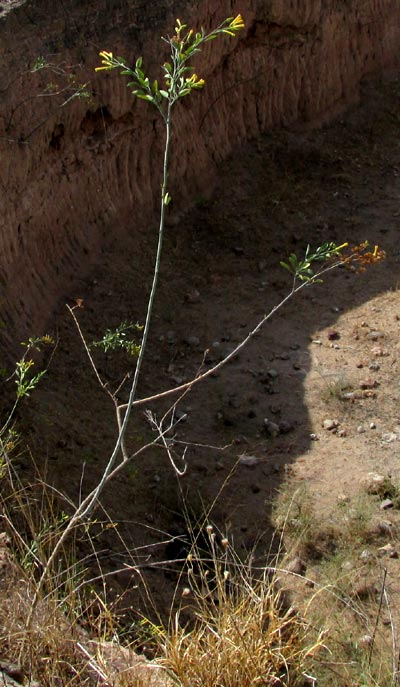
column 164, row 93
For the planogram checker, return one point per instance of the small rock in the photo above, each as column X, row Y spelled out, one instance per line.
column 314, row 437
column 249, row 461
column 297, row 566
column 374, row 483
column 372, row 425
column 192, row 296
column 385, row 527
column 273, row 374
column 177, row 380
column 368, row 383
column 335, row 309
column 389, row 437
column 360, row 429
column 333, row 335
column 271, row 427
column 343, row 498
column 342, row 433
column 375, row 335
column 389, row 550
column 374, row 366
column 317, row 342
column 285, row 427
column 379, row 352
column 386, row 504
column 330, row 425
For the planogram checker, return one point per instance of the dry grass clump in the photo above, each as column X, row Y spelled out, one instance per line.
column 243, row 634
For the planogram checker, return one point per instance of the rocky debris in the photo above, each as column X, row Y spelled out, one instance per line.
column 285, row 427
column 297, row 566
column 11, row 674
column 389, row 437
column 388, row 550
column 330, row 425
column 375, row 335
column 249, row 461
column 192, row 297
column 271, row 428
column 332, row 335
column 368, row 383
column 379, row 352
column 377, row 484
column 386, row 504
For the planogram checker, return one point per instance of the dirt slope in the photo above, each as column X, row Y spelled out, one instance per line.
column 76, row 179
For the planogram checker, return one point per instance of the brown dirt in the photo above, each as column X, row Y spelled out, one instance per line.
column 74, row 175
column 220, row 274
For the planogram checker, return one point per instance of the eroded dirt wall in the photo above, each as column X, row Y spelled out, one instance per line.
column 75, row 177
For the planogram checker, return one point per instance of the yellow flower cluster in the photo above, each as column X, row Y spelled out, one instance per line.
column 107, row 61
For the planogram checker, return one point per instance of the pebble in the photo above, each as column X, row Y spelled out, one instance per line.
column 343, row 498
column 329, row 424
column 372, row 425
column 333, row 335
column 389, row 437
column 192, row 296
column 389, row 549
column 375, row 483
column 342, row 433
column 386, row 504
column 374, row 366
column 379, row 352
column 375, row 335
column 368, row 383
column 314, row 437
column 360, row 429
column 249, row 461
column 297, row 566
column 285, row 427
column 271, row 427
column 273, row 374
column 318, row 342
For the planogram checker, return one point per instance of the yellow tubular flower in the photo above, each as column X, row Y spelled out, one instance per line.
column 237, row 23
column 106, row 61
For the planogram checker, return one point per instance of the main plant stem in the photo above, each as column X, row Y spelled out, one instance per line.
column 89, row 502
